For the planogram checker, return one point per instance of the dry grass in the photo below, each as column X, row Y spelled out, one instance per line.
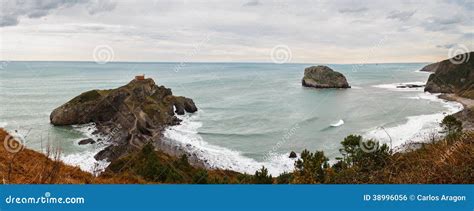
column 447, row 161
column 30, row 167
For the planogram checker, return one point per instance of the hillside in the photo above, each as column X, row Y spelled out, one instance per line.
column 30, row 167
column 454, row 75
column 445, row 161
column 145, row 166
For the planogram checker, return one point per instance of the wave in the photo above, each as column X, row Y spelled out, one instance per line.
column 3, row 124
column 235, row 134
column 85, row 159
column 393, row 86
column 416, row 128
column 187, row 137
column 337, row 124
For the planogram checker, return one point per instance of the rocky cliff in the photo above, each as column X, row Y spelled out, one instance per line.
column 130, row 116
column 323, row 77
column 453, row 76
column 430, row 68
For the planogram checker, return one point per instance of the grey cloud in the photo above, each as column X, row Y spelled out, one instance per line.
column 468, row 4
column 13, row 10
column 400, row 15
column 98, row 6
column 251, row 3
column 8, row 21
column 447, row 46
column 468, row 36
column 442, row 24
column 354, row 10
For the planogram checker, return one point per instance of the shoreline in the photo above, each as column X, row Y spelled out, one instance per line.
column 417, row 128
column 178, row 148
column 184, row 139
column 200, row 153
column 466, row 115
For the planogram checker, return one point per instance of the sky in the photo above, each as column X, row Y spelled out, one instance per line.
column 300, row 31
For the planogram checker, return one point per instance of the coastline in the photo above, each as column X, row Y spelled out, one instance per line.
column 184, row 139
column 417, row 128
column 85, row 159
column 466, row 115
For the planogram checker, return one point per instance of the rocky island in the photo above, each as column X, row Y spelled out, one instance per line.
column 323, row 77
column 131, row 116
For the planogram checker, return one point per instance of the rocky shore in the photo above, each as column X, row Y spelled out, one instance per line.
column 455, row 80
column 466, row 116
column 130, row 116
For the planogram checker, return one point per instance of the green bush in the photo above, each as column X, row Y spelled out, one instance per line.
column 284, row 178
column 262, row 177
column 451, row 126
column 201, row 177
column 311, row 168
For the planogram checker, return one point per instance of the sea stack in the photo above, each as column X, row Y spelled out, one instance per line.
column 130, row 116
column 323, row 77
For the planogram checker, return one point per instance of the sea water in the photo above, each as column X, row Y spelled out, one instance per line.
column 250, row 114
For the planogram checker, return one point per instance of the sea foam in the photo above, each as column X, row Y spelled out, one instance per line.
column 416, row 128
column 393, row 86
column 85, row 159
column 186, row 135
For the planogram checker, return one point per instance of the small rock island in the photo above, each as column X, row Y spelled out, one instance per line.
column 132, row 115
column 323, row 77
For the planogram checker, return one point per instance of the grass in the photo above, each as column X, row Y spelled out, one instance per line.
column 446, row 161
column 30, row 167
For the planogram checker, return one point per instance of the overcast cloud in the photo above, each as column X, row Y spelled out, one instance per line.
column 316, row 31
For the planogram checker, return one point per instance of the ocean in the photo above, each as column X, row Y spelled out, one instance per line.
column 250, row 114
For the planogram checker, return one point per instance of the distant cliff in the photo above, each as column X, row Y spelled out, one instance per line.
column 430, row 68
column 453, row 76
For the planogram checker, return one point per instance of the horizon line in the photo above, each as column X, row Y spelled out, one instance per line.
column 236, row 62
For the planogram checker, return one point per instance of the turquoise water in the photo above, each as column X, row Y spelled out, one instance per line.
column 249, row 114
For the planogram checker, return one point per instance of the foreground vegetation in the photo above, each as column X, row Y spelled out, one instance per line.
column 446, row 160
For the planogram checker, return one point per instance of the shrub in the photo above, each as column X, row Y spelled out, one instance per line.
column 451, row 125
column 262, row 177
column 284, row 178
column 310, row 169
column 201, row 177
